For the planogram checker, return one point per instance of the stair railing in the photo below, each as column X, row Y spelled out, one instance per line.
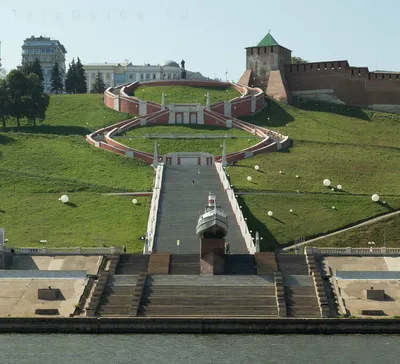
column 155, row 202
column 249, row 240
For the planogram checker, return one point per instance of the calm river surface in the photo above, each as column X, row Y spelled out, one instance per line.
column 249, row 349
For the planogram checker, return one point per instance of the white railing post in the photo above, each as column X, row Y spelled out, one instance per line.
column 251, row 247
column 155, row 201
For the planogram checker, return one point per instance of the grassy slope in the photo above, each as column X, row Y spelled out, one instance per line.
column 135, row 139
column 312, row 215
column 186, row 94
column 358, row 149
column 384, row 233
column 38, row 165
column 75, row 114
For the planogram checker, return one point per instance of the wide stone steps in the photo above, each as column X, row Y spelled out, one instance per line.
column 238, row 281
column 132, row 264
column 238, row 264
column 209, row 301
column 181, row 205
column 121, row 280
column 184, row 264
column 116, row 299
column 265, row 263
column 292, row 264
column 115, row 310
column 118, row 290
column 205, row 292
column 210, row 311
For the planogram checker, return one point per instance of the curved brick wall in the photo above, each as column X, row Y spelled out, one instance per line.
column 251, row 100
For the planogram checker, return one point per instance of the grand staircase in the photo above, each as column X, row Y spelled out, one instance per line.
column 181, row 204
column 299, row 290
column 123, row 290
column 183, row 295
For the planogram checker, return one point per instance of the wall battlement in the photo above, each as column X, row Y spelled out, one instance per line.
column 268, row 66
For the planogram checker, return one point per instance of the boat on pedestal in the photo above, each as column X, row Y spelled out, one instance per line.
column 213, row 223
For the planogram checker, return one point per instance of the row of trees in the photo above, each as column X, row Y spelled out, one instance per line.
column 75, row 80
column 22, row 96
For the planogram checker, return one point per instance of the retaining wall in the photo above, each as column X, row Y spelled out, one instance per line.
column 199, row 325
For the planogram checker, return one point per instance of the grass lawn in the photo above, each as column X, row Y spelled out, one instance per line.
column 241, row 139
column 73, row 115
column 70, row 158
column 356, row 148
column 186, row 94
column 383, row 233
column 331, row 123
column 39, row 164
column 312, row 215
column 360, row 170
column 90, row 220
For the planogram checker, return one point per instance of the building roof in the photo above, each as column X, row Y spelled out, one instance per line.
column 268, row 41
column 170, row 64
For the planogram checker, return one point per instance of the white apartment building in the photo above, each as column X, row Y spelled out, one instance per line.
column 48, row 51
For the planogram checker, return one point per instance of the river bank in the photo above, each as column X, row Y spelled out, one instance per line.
column 199, row 325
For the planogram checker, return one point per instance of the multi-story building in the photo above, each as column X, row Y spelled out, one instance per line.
column 48, row 51
column 114, row 74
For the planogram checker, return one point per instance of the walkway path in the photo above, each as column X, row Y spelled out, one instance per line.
column 181, row 205
column 371, row 221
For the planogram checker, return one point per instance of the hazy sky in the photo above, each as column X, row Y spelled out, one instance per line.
column 209, row 34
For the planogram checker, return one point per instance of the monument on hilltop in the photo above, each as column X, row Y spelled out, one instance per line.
column 183, row 71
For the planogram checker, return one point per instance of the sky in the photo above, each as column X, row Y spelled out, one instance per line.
column 210, row 35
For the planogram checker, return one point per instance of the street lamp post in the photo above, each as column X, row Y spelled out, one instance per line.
column 371, row 244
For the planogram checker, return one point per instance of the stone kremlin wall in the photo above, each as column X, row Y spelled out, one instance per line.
column 268, row 66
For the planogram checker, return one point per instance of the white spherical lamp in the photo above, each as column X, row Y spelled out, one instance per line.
column 375, row 197
column 64, row 198
column 280, row 172
column 290, row 210
column 270, row 213
column 297, row 176
column 327, row 182
column 249, row 178
column 134, row 201
column 339, row 187
column 333, row 207
column 256, row 167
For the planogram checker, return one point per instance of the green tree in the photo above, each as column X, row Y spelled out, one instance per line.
column 98, row 86
column 35, row 100
column 3, row 73
column 35, row 68
column 298, row 60
column 70, row 79
column 56, row 79
column 17, row 89
column 81, row 86
column 4, row 101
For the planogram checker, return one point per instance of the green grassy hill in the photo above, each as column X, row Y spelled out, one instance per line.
column 186, row 94
column 358, row 149
column 40, row 164
column 240, row 140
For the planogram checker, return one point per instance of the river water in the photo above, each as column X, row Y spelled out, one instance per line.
column 249, row 349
